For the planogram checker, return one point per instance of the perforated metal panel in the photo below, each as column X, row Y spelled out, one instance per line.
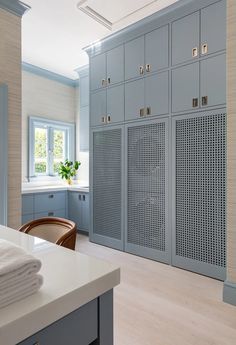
column 200, row 189
column 147, row 154
column 107, row 171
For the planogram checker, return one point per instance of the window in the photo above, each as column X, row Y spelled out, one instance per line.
column 50, row 142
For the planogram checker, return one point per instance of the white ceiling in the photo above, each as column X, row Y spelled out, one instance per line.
column 54, row 32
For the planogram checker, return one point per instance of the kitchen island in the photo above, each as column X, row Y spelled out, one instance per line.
column 75, row 304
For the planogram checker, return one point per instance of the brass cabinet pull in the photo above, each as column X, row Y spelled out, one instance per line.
column 108, row 118
column 204, row 48
column 103, row 82
column 83, row 197
column 194, row 52
column 109, row 80
column 142, row 112
column 141, row 70
column 195, row 102
column 148, row 68
column 204, row 100
column 148, row 111
column 103, row 119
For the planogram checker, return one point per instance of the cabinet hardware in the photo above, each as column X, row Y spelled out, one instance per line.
column 194, row 52
column 204, row 100
column 103, row 82
column 79, row 197
column 108, row 118
column 148, row 68
column 103, row 119
column 148, row 111
column 141, row 112
column 195, row 102
column 83, row 197
column 109, row 80
column 51, row 196
column 204, row 48
column 50, row 214
column 141, row 70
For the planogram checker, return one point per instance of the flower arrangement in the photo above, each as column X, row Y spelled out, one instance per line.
column 68, row 169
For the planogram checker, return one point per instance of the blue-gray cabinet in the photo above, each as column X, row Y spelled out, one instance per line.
column 84, row 128
column 185, row 87
column 107, row 68
column 98, row 71
column 84, row 90
column 212, row 84
column 83, row 73
column 185, row 38
column 37, row 205
column 78, row 209
column 200, row 33
column 147, row 53
column 107, row 162
column 107, row 106
column 175, row 65
column 213, row 81
column 147, row 229
column 147, row 96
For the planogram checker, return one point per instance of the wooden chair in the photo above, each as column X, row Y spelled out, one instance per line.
column 56, row 230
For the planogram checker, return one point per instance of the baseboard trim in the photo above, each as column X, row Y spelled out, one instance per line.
column 229, row 293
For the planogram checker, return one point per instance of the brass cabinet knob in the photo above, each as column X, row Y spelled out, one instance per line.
column 204, row 101
column 195, row 52
column 141, row 70
column 148, row 111
column 141, row 112
column 103, row 119
column 195, row 102
column 108, row 118
column 109, row 80
column 148, row 68
column 103, row 82
column 204, row 48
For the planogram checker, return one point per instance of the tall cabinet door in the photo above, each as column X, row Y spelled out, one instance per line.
column 98, row 71
column 199, row 192
column 185, row 38
column 134, row 100
column 213, row 28
column 147, row 190
column 115, row 104
column 98, row 107
column 107, row 181
column 134, row 58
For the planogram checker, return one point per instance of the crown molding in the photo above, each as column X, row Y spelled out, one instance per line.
column 14, row 6
column 41, row 72
column 83, row 71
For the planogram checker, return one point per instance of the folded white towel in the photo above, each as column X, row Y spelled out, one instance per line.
column 15, row 263
column 24, row 289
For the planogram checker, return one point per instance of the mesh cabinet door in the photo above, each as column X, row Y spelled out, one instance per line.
column 147, row 190
column 199, row 192
column 107, row 178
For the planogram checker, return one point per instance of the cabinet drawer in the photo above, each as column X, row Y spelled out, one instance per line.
column 78, row 328
column 27, row 204
column 50, row 201
column 51, row 213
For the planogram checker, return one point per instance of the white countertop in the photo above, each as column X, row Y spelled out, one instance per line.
column 71, row 280
column 30, row 189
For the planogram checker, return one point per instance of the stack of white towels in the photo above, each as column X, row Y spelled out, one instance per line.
column 18, row 273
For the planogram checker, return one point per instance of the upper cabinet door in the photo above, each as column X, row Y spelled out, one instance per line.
column 213, row 81
column 213, row 28
column 185, row 39
column 115, row 65
column 84, row 91
column 115, row 104
column 98, row 108
column 185, row 87
column 156, row 94
column 98, row 71
column 134, row 58
column 156, row 49
column 134, row 100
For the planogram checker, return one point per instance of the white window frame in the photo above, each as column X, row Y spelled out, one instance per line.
column 51, row 125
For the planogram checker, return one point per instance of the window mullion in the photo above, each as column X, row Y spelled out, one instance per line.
column 50, row 151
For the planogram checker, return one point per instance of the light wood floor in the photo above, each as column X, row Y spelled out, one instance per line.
column 157, row 304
